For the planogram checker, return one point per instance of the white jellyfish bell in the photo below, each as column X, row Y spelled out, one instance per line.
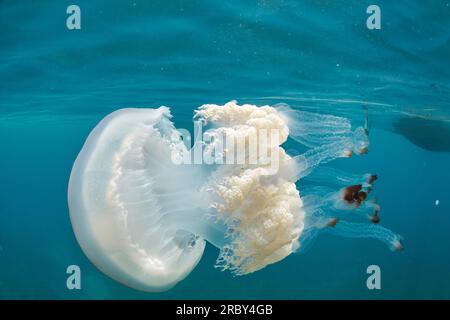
column 142, row 216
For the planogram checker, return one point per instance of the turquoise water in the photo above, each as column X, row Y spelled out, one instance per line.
column 56, row 84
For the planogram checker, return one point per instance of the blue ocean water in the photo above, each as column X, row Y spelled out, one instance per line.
column 56, row 84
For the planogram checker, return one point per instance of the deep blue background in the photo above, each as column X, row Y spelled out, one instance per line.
column 57, row 84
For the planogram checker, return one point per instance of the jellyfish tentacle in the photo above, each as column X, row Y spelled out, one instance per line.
column 319, row 222
column 332, row 176
column 325, row 210
column 313, row 129
column 366, row 119
column 363, row 230
column 334, row 202
column 315, row 221
column 308, row 161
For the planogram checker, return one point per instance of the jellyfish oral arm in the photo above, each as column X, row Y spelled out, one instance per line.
column 363, row 230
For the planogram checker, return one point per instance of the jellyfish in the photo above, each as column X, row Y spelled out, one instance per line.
column 143, row 217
